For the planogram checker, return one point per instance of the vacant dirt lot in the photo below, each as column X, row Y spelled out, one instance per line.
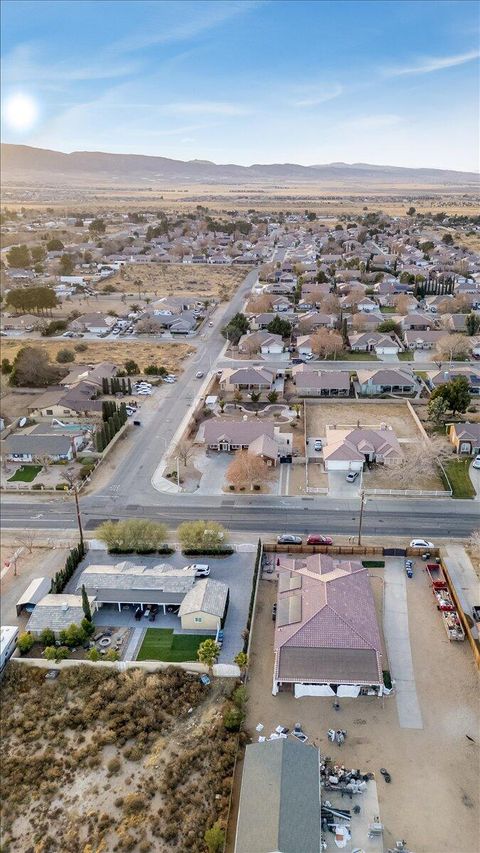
column 170, row 356
column 204, row 280
column 433, row 797
column 133, row 761
column 395, row 415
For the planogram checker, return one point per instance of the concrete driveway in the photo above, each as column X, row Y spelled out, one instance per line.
column 475, row 478
column 339, row 488
column 311, row 452
column 213, row 468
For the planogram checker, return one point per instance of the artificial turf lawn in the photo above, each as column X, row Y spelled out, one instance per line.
column 163, row 644
column 25, row 474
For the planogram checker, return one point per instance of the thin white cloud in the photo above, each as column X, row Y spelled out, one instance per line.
column 317, row 95
column 219, row 108
column 429, row 64
column 24, row 66
column 188, row 27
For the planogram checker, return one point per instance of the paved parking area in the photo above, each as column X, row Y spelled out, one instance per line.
column 236, row 571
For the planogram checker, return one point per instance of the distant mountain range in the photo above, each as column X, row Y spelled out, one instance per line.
column 39, row 165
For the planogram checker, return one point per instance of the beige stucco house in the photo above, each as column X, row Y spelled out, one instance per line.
column 204, row 606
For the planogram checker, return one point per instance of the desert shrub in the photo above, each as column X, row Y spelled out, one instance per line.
column 50, row 652
column 61, row 487
column 233, row 718
column 215, row 838
column 133, row 753
column 25, row 642
column 80, row 348
column 135, row 803
column 114, row 765
column 64, row 356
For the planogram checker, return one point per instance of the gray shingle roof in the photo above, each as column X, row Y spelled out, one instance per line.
column 126, row 576
column 57, row 612
column 282, row 776
column 207, row 596
column 38, row 445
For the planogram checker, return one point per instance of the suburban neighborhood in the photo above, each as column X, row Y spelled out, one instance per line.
column 239, row 427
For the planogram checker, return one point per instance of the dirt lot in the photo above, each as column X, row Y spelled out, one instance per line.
column 433, row 798
column 170, row 356
column 205, row 280
column 132, row 761
column 395, row 415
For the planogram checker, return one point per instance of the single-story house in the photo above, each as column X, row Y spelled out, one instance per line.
column 283, row 776
column 126, row 583
column 386, row 381
column 261, row 321
column 367, row 305
column 348, row 448
column 204, row 606
column 94, row 374
column 57, row 612
column 327, row 641
column 263, row 438
column 422, row 340
column 30, row 447
column 264, row 341
column 96, row 323
column 465, row 437
column 247, row 379
column 472, row 374
column 417, row 321
column 369, row 341
column 321, row 383
column 316, row 320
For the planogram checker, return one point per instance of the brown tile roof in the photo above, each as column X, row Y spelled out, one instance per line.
column 337, row 613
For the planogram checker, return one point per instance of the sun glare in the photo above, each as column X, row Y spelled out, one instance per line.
column 20, row 112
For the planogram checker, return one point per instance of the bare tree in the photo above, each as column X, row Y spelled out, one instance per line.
column 451, row 346
column 260, row 304
column 326, row 342
column 360, row 322
column 26, row 540
column 330, row 304
column 402, row 303
column 184, row 450
column 247, row 470
column 421, row 460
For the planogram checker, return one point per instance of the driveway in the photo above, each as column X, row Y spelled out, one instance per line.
column 213, row 468
column 339, row 488
column 475, row 478
column 397, row 639
column 311, row 452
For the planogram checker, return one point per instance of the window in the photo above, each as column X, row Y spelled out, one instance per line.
column 49, row 411
column 198, row 619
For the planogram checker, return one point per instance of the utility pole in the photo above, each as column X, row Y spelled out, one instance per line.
column 360, row 522
column 70, row 478
column 178, row 472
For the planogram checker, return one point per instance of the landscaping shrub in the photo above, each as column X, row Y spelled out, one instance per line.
column 25, row 642
column 37, row 486
column 233, row 718
column 62, row 577
column 252, row 594
column 373, row 564
column 256, row 487
column 208, row 552
column 61, row 487
column 387, row 679
column 47, row 637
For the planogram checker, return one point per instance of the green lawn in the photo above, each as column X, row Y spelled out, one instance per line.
column 388, row 309
column 25, row 474
column 405, row 355
column 457, row 472
column 163, row 644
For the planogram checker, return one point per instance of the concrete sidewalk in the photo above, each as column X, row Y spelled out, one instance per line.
column 397, row 639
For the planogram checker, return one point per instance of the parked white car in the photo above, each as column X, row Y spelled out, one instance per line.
column 421, row 543
column 202, row 570
column 476, row 462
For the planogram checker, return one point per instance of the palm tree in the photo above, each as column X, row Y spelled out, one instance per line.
column 241, row 659
column 272, row 397
column 221, row 403
column 296, row 408
column 208, row 653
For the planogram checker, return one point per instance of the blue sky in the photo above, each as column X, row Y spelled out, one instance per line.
column 246, row 81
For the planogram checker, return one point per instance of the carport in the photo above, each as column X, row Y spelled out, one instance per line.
column 37, row 589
